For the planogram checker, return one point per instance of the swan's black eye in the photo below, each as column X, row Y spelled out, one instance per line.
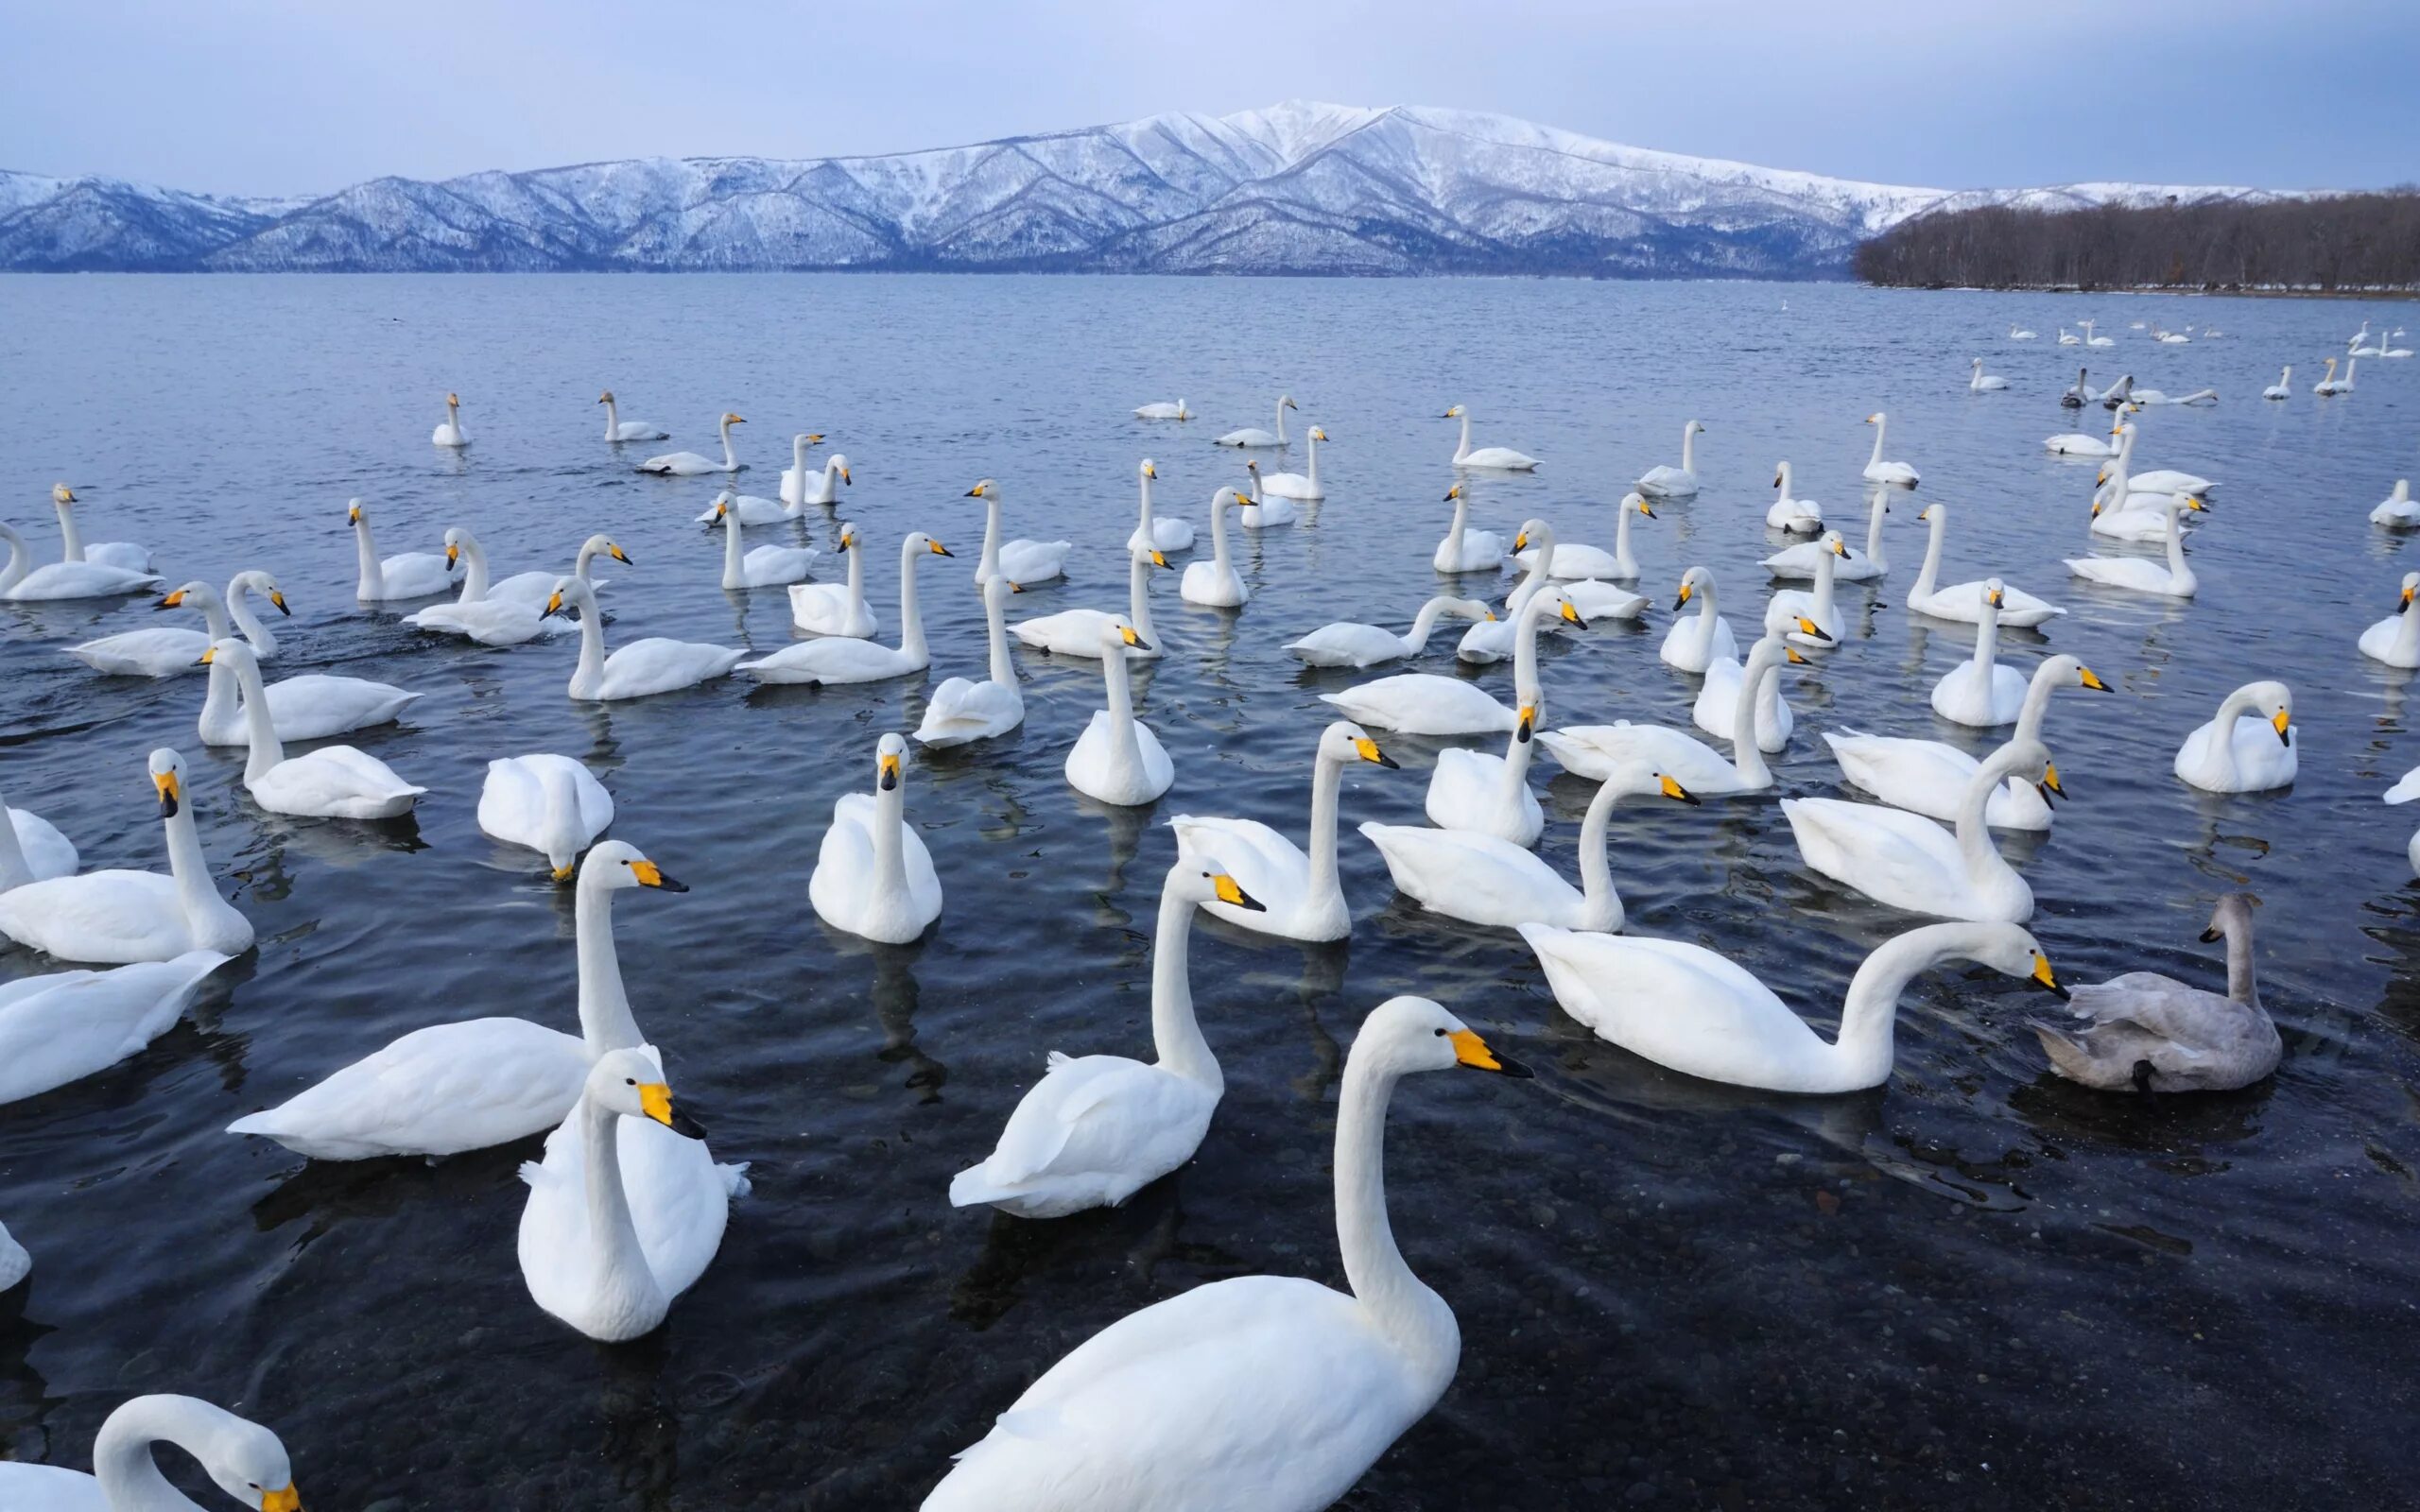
column 1440, row 1033
column 632, row 1081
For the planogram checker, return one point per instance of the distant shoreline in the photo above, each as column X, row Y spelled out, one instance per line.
column 2246, row 292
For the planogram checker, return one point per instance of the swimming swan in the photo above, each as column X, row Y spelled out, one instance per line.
column 1980, row 384
column 1255, row 513
column 327, row 781
column 691, row 465
column 1346, row 644
column 73, row 547
column 819, row 485
column 1298, row 485
column 309, row 706
column 1097, row 1129
column 1020, row 561
column 23, row 582
column 1812, row 619
column 66, row 1025
column 1077, row 631
column 1789, row 512
column 1980, row 694
column 2283, row 387
column 32, row 849
column 1299, row 895
column 551, row 804
column 1215, row 584
column 1158, row 532
column 1162, row 410
column 1599, row 751
column 2016, row 334
column 1805, row 560
column 826, row 610
column 478, row 613
column 406, row 574
column 2397, row 511
column 1119, row 758
column 449, row 432
column 155, row 653
column 1877, row 469
column 837, row 660
column 961, row 710
column 2150, row 1033
column 873, row 875
column 1929, row 777
column 1963, row 602
column 1426, row 703
column 2248, row 746
column 1910, row 862
column 1465, row 550
column 653, row 664
column 1716, row 709
column 1261, row 1392
column 1254, row 435
column 1572, row 561
column 618, row 429
column 1705, row 638
column 242, row 1459
column 1676, row 482
column 2175, row 580
column 766, row 566
column 1496, row 458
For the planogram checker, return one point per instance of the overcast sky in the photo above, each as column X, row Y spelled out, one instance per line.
column 287, row 96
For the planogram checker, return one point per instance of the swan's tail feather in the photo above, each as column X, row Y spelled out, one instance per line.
column 974, row 1187
column 2071, row 1056
column 734, row 1179
column 2406, row 790
column 264, row 1121
column 532, row 1172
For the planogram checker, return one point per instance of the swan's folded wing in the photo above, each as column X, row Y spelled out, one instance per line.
column 95, row 915
column 1267, row 865
column 1091, row 1113
column 364, row 770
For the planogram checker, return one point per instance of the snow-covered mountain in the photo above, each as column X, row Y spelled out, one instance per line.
column 1296, row 188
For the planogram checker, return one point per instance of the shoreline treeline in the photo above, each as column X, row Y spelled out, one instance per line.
column 2336, row 242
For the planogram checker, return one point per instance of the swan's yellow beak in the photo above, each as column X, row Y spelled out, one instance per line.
column 2050, row 777
column 734, row 419
column 1840, row 548
column 1233, row 895
column 1674, row 790
column 1644, row 509
column 554, row 605
column 1682, row 602
column 352, row 514
column 1529, row 722
column 1812, row 631
column 2283, row 722
column 845, row 478
column 169, row 790
column 178, row 596
column 1368, row 750
column 209, row 653
column 651, row 875
column 1521, row 542
column 1872, row 419
column 279, row 599
column 605, row 398
column 1792, row 652
column 1470, row 1050
column 1570, row 614
column 287, row 1500
column 1126, row 633
column 1158, row 559
column 656, row 1098
column 453, row 555
column 452, row 401
column 565, row 873
column 2191, row 503
column 61, row 494
column 815, row 438
column 886, row 766
column 938, row 549
column 1994, row 597
column 2047, row 978
column 1151, row 469
column 2086, row 676
column 1453, row 493
column 1488, row 614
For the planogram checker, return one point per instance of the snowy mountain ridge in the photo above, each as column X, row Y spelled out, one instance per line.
column 1299, row 187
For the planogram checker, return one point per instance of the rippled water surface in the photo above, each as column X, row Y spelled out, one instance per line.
column 1977, row 1283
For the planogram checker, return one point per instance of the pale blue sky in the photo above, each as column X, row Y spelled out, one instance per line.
column 279, row 96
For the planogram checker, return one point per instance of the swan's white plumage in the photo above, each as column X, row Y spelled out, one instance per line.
column 66, row 1025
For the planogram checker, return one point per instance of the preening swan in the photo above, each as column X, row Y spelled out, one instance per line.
column 73, row 547
column 242, row 1459
column 2175, row 580
column 1910, row 862
column 1078, row 632
column 802, row 485
column 1117, row 759
column 1676, row 482
column 449, row 431
column 1982, row 383
column 1963, row 601
column 1878, row 471
column 829, row 610
column 1465, row 550
column 1705, row 638
column 2247, row 747
column 66, row 1025
column 115, row 917
column 1789, row 511
column 168, row 652
column 618, row 429
column 1601, row 751
column 873, row 875
column 691, row 465
column 1929, row 777
column 406, row 574
column 1260, row 1392
column 327, row 781
column 1807, row 560
column 1425, row 703
column 1299, row 895
column 2150, row 1033
column 475, row 1083
column 23, row 582
column 1497, row 458
column 962, row 710
column 766, row 566
column 653, row 664
column 1097, row 1129
column 1162, row 410
column 552, row 804
column 1348, row 645
column 1682, row 1007
column 1158, row 532
column 1486, row 880
column 1022, row 562
column 1980, row 694
column 2396, row 510
column 840, row 659
column 1296, row 484
column 1254, row 435
column 1812, row 619
column 1215, row 584
column 1258, row 513
column 32, row 849
column 2283, row 387
column 1723, row 695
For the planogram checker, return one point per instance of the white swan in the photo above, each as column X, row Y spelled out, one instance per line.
column 753, row 508
column 1496, row 458
column 2175, row 580
column 328, row 782
column 2326, row 383
column 1805, row 559
column 1929, row 777
column 169, row 652
column 2367, row 347
column 2169, row 338
column 2079, row 443
column 73, row 547
column 1963, row 601
column 1573, row 560
column 475, row 1083
column 1877, row 469
column 1681, row 482
column 1158, row 532
column 552, row 804
column 1789, row 511
column 1426, row 703
column 1215, row 584
column 2283, row 387
column 1703, row 1015
column 32, row 849
column 653, row 664
column 962, row 710
column 1162, row 410
column 1590, row 599
column 1254, row 435
column 837, row 660
column 2068, row 339
column 1982, row 383
column 15, row 1265
column 476, row 614
column 2331, row 384
column 2121, row 478
column 2016, row 334
column 873, row 875
column 2395, row 351
column 534, row 588
column 406, row 574
column 1486, row 793
column 1705, row 638
column 1346, row 644
column 826, row 610
column 691, row 465
column 1298, row 894
column 1255, row 512
column 23, row 582
column 1297, row 485
column 2404, row 791
column 766, row 566
column 1097, row 1129
column 1911, row 862
column 2397, row 510
column 2149, row 1032
column 618, row 429
column 310, row 706
column 2091, row 340
column 1812, row 618
column 242, row 1459
column 449, row 431
column 115, row 917
column 2247, row 747
column 1119, row 758
column 66, row 1025
column 1980, row 692
column 1721, row 697
column 1078, row 632
column 1263, row 1393
column 1599, row 751
column 1485, row 880
column 803, row 486
column 1465, row 550
column 1020, row 561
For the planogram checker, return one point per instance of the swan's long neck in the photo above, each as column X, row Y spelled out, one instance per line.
column 1464, row 449
column 911, row 623
column 15, row 871
column 1281, row 423
column 1423, row 624
column 612, row 421
column 586, row 560
column 475, row 572
column 1789, row 482
column 1406, row 1313
column 1125, row 747
column 890, row 860
column 1146, row 522
column 130, row 1478
column 1595, row 868
column 622, row 1271
column 1827, row 573
column 1981, row 858
column 19, row 563
column 236, row 611
column 1524, row 648
column 592, row 645
column 1987, row 644
column 214, row 617
column 1747, row 757
column 1689, row 447
column 71, row 541
column 798, row 462
column 1219, row 539
column 735, row 554
column 1622, row 558
column 605, row 1021
column 1925, row 579
column 1004, row 672
column 2036, row 708
column 365, row 551
column 1176, row 1034
column 1327, row 777
column 1533, row 581
column 990, row 567
column 856, row 579
column 2242, row 984
column 2221, row 734
column 730, row 461
column 1462, row 522
column 1879, row 426
column 190, row 869
column 1864, row 1048
column 2177, row 567
column 1138, row 596
column 1313, row 444
column 1708, row 616
column 1515, row 778
column 258, row 725
column 2407, row 636
column 1874, row 530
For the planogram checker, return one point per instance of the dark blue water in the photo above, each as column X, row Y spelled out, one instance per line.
column 1977, row 1283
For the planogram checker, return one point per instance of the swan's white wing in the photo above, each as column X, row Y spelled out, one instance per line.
column 57, row 1028
column 440, row 1090
column 1264, row 863
column 314, row 705
column 1676, row 1003
column 1899, row 858
column 1473, row 876
column 112, row 916
column 49, row 854
column 1424, row 703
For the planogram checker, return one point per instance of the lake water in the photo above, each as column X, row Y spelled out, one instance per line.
column 1977, row 1283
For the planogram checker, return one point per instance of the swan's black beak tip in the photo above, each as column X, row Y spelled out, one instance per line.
column 685, row 1126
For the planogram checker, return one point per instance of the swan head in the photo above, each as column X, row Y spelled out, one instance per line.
column 888, row 753
column 2410, row 586
column 920, row 544
column 2012, row 950
column 996, row 592
column 840, row 465
column 1833, row 543
column 730, row 418
column 199, row 594
column 605, row 544
column 61, row 494
column 245, row 1460
column 1201, row 878
column 453, row 400
column 984, row 489
column 1318, row 433
column 234, row 652
column 1875, row 419
column 1287, row 401
column 353, row 513
column 256, row 581
column 1344, row 741
column 614, row 864
column 1695, row 427
column 168, row 779
column 2179, row 502
column 1407, row 1034
column 1149, row 468
column 1117, row 637
column 631, row 1083
column 1781, row 474
column 1554, row 601
column 1454, row 493
column 2232, row 916
column 1693, row 582
column 605, row 398
column 1534, row 529
column 2274, row 702
column 458, row 543
column 1225, row 498
column 1454, row 413
column 570, row 593
column 2070, row 671
column 1638, row 502
column 1930, row 514
column 848, row 535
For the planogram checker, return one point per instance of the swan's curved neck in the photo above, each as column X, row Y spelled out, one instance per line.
column 1879, row 426
column 2243, row 984
column 1827, row 573
column 911, row 623
column 258, row 725
column 1927, row 578
column 1176, row 1034
column 2176, row 568
column 1515, row 777
column 1424, row 625
column 1312, row 444
column 1464, row 449
column 189, row 869
column 1864, row 1051
column 1874, row 530
column 1462, row 522
column 1789, row 482
column 1138, row 595
column 1534, row 580
column 990, row 563
column 19, row 563
column 1004, row 672
column 612, row 420
column 890, row 862
column 1145, row 522
column 71, row 541
column 1982, row 859
column 1987, row 644
column 1125, row 747
column 2221, row 734
column 1281, row 423
column 237, row 607
column 1326, row 777
column 1689, row 447
column 1218, row 539
column 730, row 461
column 1622, row 558
column 1406, row 1313
column 583, row 563
column 605, row 1021
column 856, row 579
column 365, row 551
column 735, row 554
column 1763, row 671
column 622, row 1272
column 1603, row 906
column 122, row 1463
column 1525, row 644
column 475, row 572
column 591, row 643
column 2036, row 708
